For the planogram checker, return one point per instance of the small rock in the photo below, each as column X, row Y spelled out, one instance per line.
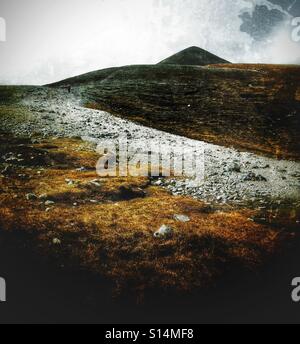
column 56, row 241
column 7, row 169
column 31, row 197
column 43, row 197
column 49, row 203
column 235, row 167
column 181, row 218
column 95, row 182
column 164, row 232
column 128, row 193
column 254, row 178
column 296, row 175
column 81, row 169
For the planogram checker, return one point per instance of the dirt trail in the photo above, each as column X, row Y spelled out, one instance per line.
column 230, row 176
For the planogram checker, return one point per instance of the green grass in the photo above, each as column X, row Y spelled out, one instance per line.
column 12, row 112
column 11, row 115
column 12, row 94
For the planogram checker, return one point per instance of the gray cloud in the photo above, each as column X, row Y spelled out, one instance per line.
column 48, row 40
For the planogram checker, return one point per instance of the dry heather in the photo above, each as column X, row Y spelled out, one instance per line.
column 250, row 107
column 107, row 226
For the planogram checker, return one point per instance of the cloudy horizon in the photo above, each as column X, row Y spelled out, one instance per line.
column 49, row 40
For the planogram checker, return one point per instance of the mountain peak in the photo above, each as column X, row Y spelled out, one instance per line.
column 193, row 56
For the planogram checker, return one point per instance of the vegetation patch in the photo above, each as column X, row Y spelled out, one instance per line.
column 50, row 192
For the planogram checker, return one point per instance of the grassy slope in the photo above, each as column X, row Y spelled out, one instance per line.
column 114, row 237
column 11, row 95
column 190, row 56
column 92, row 77
column 12, row 111
column 250, row 107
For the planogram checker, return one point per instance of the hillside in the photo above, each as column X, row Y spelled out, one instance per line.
column 250, row 107
column 64, row 223
column 189, row 56
column 91, row 77
column 254, row 108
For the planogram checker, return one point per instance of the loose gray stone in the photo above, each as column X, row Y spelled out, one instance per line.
column 43, row 197
column 47, row 203
column 235, row 167
column 164, row 232
column 31, row 197
column 181, row 218
column 81, row 169
column 56, row 241
column 95, row 182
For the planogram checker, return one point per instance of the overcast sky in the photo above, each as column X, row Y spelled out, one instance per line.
column 48, row 40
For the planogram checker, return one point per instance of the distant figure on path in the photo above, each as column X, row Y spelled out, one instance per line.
column 66, row 87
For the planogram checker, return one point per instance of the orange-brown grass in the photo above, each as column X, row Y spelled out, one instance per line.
column 257, row 66
column 114, row 236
